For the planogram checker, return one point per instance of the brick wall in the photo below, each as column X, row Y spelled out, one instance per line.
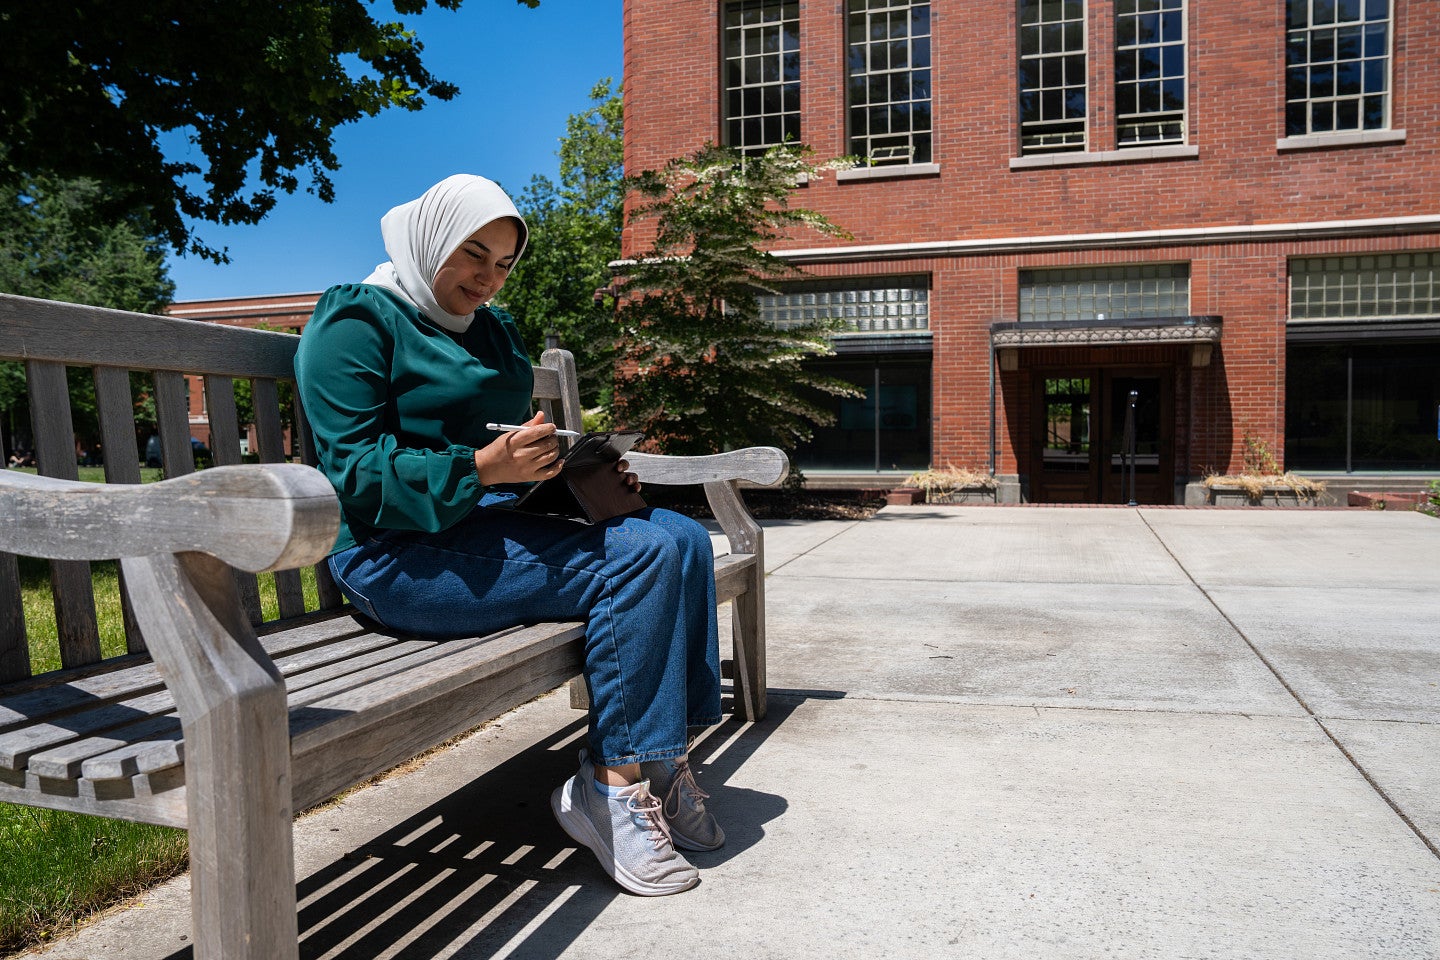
column 1236, row 94
column 1238, row 177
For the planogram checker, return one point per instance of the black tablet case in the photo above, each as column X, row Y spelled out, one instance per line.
column 588, row 487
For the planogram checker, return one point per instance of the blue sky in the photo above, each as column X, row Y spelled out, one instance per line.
column 521, row 73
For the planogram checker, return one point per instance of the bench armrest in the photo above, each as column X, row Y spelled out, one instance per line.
column 273, row 516
column 765, row 466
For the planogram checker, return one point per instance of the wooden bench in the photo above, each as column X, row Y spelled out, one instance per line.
column 211, row 719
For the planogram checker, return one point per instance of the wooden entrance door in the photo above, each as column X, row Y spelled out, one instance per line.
column 1082, row 452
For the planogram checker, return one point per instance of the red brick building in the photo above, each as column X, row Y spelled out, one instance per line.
column 1218, row 220
column 283, row 312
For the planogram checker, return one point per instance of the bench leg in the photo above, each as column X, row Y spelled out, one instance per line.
column 747, row 616
column 237, row 747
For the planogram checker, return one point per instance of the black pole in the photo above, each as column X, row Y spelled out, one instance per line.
column 1130, row 441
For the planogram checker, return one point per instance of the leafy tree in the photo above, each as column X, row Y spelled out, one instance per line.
column 574, row 236
column 703, row 371
column 58, row 243
column 254, row 89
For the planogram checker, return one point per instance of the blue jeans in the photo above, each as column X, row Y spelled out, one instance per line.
column 644, row 582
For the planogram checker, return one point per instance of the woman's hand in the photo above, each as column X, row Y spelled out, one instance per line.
column 520, row 456
column 631, row 481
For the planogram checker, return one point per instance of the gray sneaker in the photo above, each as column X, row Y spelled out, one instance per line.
column 692, row 827
column 627, row 833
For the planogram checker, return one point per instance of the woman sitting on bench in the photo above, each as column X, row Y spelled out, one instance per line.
column 399, row 375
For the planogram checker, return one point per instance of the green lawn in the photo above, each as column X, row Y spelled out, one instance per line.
column 56, row 866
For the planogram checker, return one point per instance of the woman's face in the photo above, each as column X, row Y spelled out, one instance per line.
column 477, row 269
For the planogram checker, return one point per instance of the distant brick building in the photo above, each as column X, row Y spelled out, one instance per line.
column 1229, row 210
column 286, row 313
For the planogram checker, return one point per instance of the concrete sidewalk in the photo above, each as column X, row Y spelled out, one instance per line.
column 994, row 733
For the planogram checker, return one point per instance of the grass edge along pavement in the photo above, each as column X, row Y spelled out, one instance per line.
column 57, row 867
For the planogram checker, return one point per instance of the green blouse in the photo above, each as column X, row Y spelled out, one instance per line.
column 398, row 406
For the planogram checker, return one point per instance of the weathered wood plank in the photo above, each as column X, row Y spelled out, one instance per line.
column 326, row 590
column 62, row 761
column 116, row 408
column 172, row 396
column 225, row 447
column 303, row 669
column 766, row 466
column 270, row 438
column 94, row 336
column 162, row 802
column 70, row 583
column 377, row 740
column 747, row 609
column 110, row 728
column 733, row 575
column 562, row 362
column 256, row 517
column 14, row 651
column 232, row 701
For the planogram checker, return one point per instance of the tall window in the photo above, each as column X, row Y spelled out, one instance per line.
column 1337, row 66
column 1052, row 75
column 762, row 73
column 1149, row 72
column 1139, row 291
column 889, row 57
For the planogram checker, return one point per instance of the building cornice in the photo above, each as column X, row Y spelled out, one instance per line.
column 1188, row 236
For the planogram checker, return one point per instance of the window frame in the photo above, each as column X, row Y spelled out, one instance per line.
column 1305, row 34
column 751, row 88
column 1181, row 117
column 1076, row 138
column 918, row 148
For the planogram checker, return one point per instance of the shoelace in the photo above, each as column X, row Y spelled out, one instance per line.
column 683, row 787
column 647, row 808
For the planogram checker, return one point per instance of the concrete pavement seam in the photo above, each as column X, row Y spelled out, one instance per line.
column 845, row 529
column 1359, row 767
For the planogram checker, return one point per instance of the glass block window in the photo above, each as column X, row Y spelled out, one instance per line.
column 1052, row 75
column 1139, row 291
column 892, row 305
column 1365, row 287
column 1149, row 72
column 1337, row 66
column 889, row 80
column 761, row 74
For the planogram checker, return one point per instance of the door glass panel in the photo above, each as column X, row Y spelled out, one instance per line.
column 904, row 421
column 1134, row 410
column 1067, row 425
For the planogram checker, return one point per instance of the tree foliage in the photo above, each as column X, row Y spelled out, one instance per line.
column 59, row 240
column 574, row 236
column 703, row 371
column 245, row 94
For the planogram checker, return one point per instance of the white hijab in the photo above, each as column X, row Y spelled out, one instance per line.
column 421, row 235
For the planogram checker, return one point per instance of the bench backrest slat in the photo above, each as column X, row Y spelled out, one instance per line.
column 225, row 448
column 113, row 345
column 14, row 651
column 75, row 624
column 122, row 465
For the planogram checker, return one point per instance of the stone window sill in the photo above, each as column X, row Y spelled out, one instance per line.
column 1352, row 138
column 888, row 172
column 1177, row 151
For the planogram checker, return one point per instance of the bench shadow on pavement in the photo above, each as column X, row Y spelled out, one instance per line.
column 487, row 868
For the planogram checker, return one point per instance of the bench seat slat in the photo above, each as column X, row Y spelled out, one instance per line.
column 398, row 674
column 144, row 799
column 120, row 752
column 122, row 678
column 732, row 575
column 16, row 747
